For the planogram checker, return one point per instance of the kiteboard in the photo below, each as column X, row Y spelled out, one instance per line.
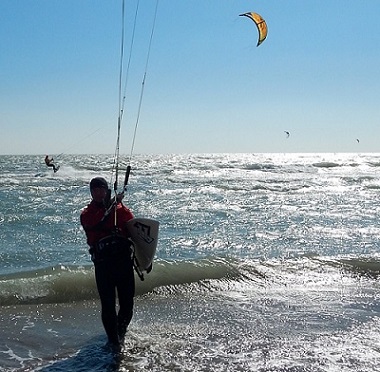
column 144, row 234
column 57, row 168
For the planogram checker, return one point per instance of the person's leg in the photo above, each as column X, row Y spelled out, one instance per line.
column 106, row 289
column 126, row 293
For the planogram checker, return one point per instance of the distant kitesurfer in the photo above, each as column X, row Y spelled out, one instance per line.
column 110, row 251
column 50, row 163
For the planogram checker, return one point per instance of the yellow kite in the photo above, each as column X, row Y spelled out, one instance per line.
column 260, row 23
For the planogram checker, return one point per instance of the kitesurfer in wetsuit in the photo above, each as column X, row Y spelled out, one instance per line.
column 50, row 163
column 110, row 251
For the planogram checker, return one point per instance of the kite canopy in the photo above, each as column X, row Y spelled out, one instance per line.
column 260, row 23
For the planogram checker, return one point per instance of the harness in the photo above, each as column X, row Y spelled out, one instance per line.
column 111, row 247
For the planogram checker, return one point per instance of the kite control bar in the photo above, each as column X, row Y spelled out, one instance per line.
column 126, row 177
column 127, row 172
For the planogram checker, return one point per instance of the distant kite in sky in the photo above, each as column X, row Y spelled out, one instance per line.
column 357, row 140
column 260, row 24
column 287, row 133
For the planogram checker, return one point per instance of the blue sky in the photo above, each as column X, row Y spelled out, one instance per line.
column 208, row 87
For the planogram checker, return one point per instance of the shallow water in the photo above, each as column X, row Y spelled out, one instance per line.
column 266, row 262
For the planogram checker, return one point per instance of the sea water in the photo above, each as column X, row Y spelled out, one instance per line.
column 265, row 262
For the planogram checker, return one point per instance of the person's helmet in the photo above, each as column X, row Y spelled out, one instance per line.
column 98, row 182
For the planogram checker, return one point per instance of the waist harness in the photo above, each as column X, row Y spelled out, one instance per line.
column 112, row 246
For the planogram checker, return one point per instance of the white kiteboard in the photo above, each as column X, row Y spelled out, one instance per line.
column 144, row 235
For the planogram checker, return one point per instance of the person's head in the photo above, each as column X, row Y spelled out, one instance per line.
column 98, row 189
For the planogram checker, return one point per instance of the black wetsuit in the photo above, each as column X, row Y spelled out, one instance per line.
column 113, row 272
column 49, row 163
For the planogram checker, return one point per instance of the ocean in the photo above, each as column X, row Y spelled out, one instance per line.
column 265, row 262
